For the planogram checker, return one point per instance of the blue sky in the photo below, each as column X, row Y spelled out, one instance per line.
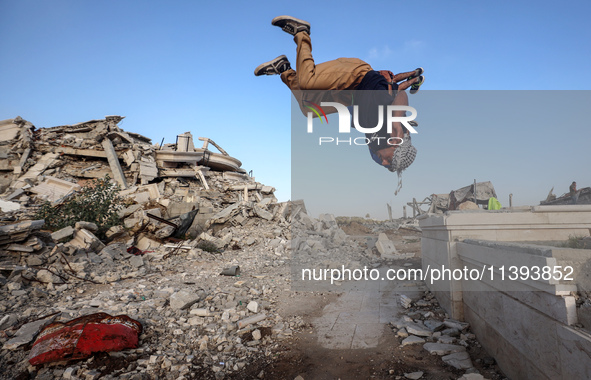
column 178, row 66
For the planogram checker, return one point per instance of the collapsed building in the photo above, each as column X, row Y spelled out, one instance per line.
column 49, row 164
column 584, row 198
column 183, row 207
column 465, row 198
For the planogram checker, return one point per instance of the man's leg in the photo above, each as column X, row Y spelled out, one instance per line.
column 410, row 74
column 339, row 74
column 408, row 83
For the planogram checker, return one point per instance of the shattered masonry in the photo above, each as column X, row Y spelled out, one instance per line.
column 197, row 322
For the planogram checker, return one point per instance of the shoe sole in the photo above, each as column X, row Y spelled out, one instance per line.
column 285, row 18
column 271, row 62
column 417, row 74
column 415, row 89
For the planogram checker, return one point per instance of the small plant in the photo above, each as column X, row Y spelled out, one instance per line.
column 208, row 246
column 98, row 202
column 574, row 242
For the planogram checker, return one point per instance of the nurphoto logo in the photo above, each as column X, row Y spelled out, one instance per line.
column 345, row 120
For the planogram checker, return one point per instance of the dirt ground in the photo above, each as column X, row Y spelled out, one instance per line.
column 304, row 357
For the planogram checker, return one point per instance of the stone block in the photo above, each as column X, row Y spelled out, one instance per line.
column 385, row 246
column 145, row 243
column 63, row 233
column 86, row 225
column 442, row 349
column 85, row 239
column 115, row 231
column 27, row 333
column 412, row 340
column 459, row 360
column 183, row 299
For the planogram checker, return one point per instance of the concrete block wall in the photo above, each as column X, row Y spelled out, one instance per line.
column 526, row 325
column 538, row 223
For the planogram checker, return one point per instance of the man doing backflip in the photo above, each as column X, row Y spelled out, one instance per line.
column 348, row 77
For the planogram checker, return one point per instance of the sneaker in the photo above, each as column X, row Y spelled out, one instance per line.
column 415, row 87
column 291, row 25
column 275, row 66
column 418, row 71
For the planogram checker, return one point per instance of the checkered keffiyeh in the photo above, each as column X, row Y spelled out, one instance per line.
column 403, row 156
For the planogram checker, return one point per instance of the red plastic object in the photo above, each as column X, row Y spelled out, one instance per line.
column 81, row 337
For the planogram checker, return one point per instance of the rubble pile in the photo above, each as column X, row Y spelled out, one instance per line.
column 322, row 242
column 425, row 323
column 378, row 226
column 202, row 257
column 189, row 213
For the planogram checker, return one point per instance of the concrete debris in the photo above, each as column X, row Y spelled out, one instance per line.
column 470, row 197
column 412, row 340
column 459, row 360
column 53, row 189
column 425, row 322
column 385, row 246
column 405, row 301
column 178, row 200
column 472, row 376
column 189, row 212
column 414, row 375
column 91, row 227
column 85, row 239
column 442, row 349
column 6, row 206
column 183, row 299
column 27, row 333
column 65, row 232
column 584, row 197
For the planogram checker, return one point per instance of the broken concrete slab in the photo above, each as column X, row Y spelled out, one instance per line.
column 145, row 243
column 148, row 170
column 412, row 340
column 114, row 232
column 115, row 251
column 442, row 349
column 251, row 320
column 47, row 277
column 433, row 325
column 92, row 227
column 385, row 246
column 183, row 299
column 414, row 375
column 6, row 206
column 199, row 174
column 27, row 333
column 225, row 214
column 124, row 213
column 85, row 239
column 472, row 376
column 54, row 189
column 114, row 163
column 35, row 172
column 263, row 213
column 13, row 233
column 458, row 325
column 405, row 301
column 19, row 248
column 9, row 130
column 417, row 329
column 459, row 360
